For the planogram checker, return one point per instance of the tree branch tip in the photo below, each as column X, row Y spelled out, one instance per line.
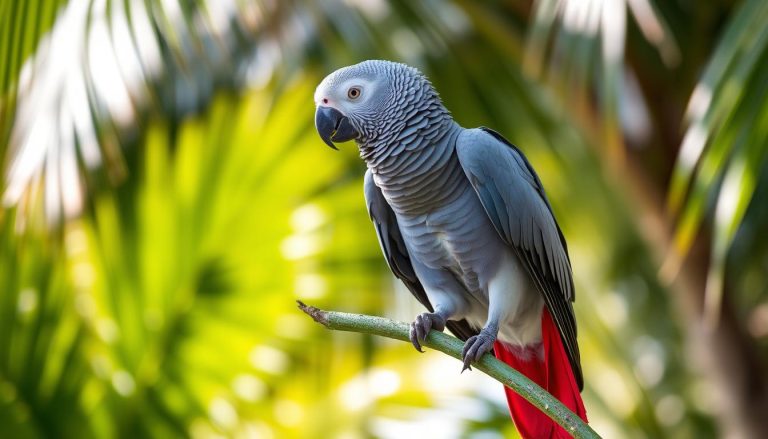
column 317, row 314
column 506, row 375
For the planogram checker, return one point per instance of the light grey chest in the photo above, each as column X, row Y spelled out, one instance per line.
column 458, row 237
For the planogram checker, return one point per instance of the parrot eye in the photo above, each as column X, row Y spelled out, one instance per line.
column 353, row 93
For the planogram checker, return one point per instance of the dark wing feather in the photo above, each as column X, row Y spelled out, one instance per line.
column 514, row 199
column 396, row 254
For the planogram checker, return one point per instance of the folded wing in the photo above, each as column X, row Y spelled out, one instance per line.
column 514, row 199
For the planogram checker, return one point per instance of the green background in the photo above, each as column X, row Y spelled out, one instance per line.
column 166, row 201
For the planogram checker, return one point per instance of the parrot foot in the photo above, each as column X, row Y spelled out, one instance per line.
column 421, row 326
column 477, row 346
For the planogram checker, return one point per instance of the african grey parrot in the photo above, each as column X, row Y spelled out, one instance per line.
column 463, row 221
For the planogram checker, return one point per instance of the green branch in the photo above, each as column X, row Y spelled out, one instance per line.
column 449, row 345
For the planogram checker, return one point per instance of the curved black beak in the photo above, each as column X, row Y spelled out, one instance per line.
column 333, row 126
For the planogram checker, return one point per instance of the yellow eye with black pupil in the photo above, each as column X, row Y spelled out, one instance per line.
column 353, row 93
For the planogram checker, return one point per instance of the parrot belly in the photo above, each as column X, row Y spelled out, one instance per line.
column 490, row 278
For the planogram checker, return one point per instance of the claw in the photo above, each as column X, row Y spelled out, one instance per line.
column 475, row 347
column 413, row 337
column 422, row 325
column 467, row 359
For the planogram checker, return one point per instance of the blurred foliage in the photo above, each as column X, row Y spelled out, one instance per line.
column 22, row 24
column 167, row 200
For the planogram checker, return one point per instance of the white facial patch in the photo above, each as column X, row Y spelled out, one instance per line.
column 332, row 93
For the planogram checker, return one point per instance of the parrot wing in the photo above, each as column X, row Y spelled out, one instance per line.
column 514, row 200
column 396, row 254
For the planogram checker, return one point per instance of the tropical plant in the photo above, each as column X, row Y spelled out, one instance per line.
column 166, row 200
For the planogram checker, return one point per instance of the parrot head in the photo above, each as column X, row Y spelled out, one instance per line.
column 362, row 101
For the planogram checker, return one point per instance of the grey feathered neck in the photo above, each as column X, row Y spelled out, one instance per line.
column 413, row 118
column 409, row 145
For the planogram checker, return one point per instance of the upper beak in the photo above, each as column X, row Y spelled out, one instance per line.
column 333, row 126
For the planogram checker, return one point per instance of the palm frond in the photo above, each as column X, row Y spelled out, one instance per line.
column 725, row 144
column 96, row 74
column 582, row 45
column 22, row 25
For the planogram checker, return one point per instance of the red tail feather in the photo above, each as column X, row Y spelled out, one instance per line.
column 554, row 374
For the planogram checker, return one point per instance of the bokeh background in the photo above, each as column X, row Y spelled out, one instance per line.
column 166, row 200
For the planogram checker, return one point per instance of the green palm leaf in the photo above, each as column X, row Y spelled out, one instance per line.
column 724, row 147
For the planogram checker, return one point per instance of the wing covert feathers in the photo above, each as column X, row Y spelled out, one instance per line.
column 514, row 200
